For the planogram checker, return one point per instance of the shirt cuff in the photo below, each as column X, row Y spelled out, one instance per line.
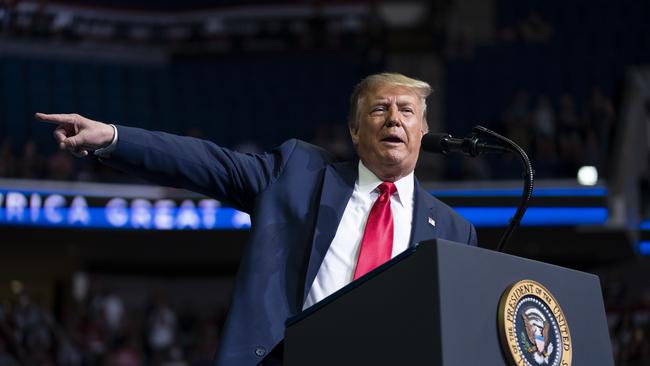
column 105, row 152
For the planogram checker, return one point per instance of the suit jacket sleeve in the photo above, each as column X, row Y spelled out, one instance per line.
column 198, row 165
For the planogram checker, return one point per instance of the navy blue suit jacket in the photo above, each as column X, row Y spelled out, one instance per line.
column 296, row 195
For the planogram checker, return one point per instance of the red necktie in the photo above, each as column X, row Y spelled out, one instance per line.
column 377, row 242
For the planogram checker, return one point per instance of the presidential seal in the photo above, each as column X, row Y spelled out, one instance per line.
column 532, row 327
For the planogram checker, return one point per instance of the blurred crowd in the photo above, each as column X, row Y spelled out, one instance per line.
column 558, row 134
column 563, row 137
column 101, row 330
column 27, row 161
column 629, row 324
column 630, row 335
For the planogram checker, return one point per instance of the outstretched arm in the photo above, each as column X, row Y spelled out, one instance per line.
column 176, row 161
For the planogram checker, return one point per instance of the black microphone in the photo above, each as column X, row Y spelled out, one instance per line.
column 443, row 143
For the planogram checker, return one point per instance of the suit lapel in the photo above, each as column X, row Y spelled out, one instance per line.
column 424, row 216
column 338, row 184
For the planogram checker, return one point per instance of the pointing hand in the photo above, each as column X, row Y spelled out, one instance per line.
column 78, row 134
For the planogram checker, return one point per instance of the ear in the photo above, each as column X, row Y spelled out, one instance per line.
column 425, row 127
column 354, row 135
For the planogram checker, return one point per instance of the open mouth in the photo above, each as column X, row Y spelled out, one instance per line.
column 392, row 139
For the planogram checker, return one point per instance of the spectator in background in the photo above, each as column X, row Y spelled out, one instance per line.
column 161, row 329
column 544, row 125
column 544, row 117
column 568, row 120
column 113, row 308
column 33, row 332
column 601, row 116
column 31, row 335
column 516, row 120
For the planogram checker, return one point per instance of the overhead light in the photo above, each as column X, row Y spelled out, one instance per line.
column 587, row 175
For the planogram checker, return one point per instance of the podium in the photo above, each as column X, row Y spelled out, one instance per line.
column 439, row 304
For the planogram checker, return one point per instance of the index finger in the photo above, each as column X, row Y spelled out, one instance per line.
column 56, row 118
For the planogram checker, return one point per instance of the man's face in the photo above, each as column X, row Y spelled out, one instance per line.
column 389, row 131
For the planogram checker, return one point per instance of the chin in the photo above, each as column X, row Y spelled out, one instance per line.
column 393, row 165
column 392, row 158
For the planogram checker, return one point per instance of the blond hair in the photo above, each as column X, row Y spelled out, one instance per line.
column 421, row 88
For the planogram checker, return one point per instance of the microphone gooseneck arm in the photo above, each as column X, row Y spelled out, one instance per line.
column 443, row 143
column 528, row 176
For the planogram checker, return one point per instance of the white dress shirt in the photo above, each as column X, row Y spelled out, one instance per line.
column 337, row 269
column 106, row 151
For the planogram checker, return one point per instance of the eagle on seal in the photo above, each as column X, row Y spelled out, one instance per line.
column 537, row 329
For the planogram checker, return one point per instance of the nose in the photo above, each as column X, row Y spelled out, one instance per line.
column 393, row 117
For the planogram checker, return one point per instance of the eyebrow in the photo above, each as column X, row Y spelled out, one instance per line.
column 400, row 102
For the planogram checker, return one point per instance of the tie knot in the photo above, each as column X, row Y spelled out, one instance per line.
column 387, row 187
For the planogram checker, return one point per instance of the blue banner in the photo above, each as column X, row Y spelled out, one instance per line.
column 66, row 209
column 56, row 210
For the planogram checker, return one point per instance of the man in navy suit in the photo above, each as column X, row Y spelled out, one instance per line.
column 308, row 211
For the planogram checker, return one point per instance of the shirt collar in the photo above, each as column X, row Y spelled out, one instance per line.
column 368, row 182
